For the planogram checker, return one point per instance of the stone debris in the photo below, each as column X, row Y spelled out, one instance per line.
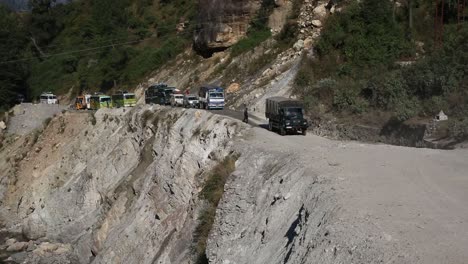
column 441, row 116
column 17, row 246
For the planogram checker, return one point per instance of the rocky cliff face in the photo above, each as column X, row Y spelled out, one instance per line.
column 278, row 208
column 221, row 23
column 123, row 190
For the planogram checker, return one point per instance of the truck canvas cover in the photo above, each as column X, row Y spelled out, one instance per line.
column 274, row 104
column 208, row 88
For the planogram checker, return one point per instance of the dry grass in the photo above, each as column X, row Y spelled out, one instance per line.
column 211, row 193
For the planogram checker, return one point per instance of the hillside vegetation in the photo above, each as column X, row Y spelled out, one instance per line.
column 89, row 45
column 355, row 71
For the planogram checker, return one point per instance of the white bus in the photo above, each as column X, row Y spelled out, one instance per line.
column 48, row 98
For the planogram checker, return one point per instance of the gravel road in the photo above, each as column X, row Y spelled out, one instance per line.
column 27, row 117
column 414, row 197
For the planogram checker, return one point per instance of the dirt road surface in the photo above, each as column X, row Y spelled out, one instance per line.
column 417, row 198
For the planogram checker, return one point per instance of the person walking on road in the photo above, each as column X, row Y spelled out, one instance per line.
column 246, row 115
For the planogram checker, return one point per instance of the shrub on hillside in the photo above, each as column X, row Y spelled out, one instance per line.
column 358, row 50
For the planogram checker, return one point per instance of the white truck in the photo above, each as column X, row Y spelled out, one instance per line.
column 211, row 97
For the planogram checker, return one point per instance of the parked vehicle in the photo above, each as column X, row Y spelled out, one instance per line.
column 159, row 94
column 191, row 101
column 154, row 95
column 48, row 98
column 211, row 97
column 285, row 115
column 83, row 102
column 177, row 99
column 100, row 101
column 124, row 99
column 80, row 103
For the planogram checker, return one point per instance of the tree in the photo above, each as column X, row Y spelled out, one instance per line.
column 43, row 24
column 13, row 73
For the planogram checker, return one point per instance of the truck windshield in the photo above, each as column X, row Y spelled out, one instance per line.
column 129, row 96
column 293, row 112
column 216, row 95
column 192, row 98
column 105, row 99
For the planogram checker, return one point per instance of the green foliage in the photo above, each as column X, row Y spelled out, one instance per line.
column 258, row 30
column 12, row 74
column 458, row 128
column 211, row 193
column 365, row 35
column 100, row 44
column 289, row 33
column 44, row 25
column 355, row 70
column 148, row 59
column 252, row 40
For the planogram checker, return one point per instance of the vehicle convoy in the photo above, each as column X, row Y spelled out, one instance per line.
column 191, row 101
column 285, row 115
column 211, row 97
column 159, row 94
column 177, row 99
column 100, row 101
column 123, row 99
column 48, row 98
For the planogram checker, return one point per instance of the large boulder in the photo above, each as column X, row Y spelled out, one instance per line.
column 222, row 23
column 320, row 11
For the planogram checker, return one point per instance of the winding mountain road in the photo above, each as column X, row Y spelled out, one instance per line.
column 415, row 198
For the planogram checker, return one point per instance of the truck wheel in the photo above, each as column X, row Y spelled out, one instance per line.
column 304, row 132
column 270, row 125
column 282, row 131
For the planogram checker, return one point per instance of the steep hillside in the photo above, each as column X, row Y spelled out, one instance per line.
column 115, row 187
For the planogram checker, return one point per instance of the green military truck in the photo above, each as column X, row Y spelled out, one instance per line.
column 285, row 115
column 159, row 94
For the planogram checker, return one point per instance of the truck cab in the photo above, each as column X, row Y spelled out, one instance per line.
column 211, row 97
column 285, row 115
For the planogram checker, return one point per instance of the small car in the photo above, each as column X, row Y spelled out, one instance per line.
column 191, row 101
column 177, row 99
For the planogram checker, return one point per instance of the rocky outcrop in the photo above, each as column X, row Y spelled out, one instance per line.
column 115, row 187
column 221, row 23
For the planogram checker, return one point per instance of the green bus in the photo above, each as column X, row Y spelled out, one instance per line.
column 100, row 101
column 124, row 99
